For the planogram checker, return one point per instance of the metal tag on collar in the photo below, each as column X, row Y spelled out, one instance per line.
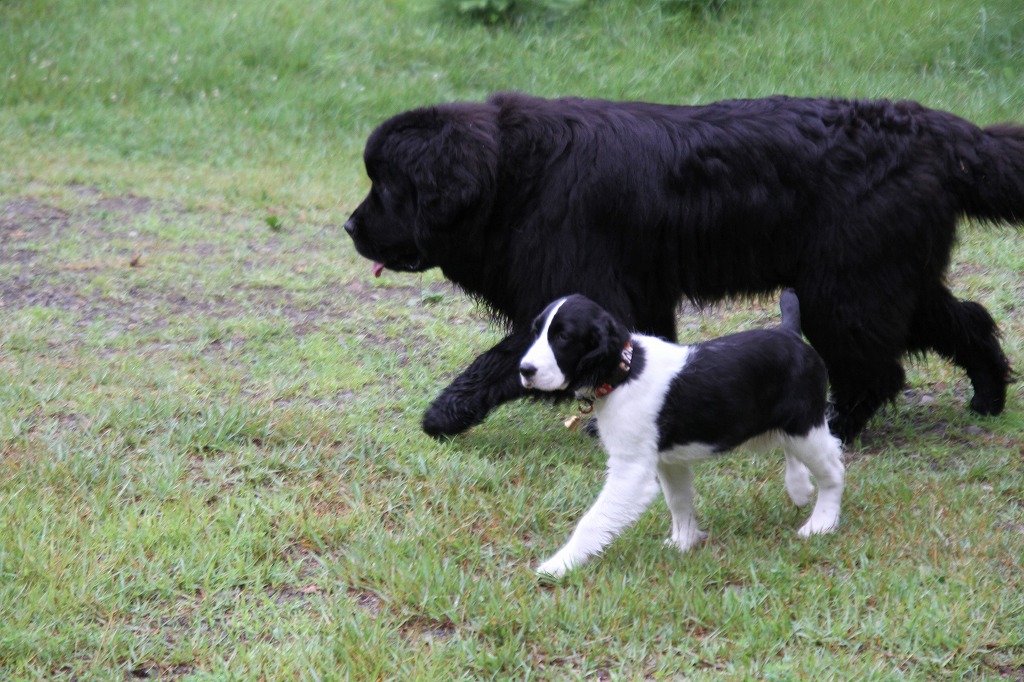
column 627, row 356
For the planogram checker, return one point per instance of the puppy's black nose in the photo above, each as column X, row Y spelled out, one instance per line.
column 527, row 370
column 350, row 226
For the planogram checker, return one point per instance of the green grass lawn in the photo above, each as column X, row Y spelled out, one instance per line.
column 212, row 466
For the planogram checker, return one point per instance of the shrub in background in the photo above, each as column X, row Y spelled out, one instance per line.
column 509, row 11
column 495, row 11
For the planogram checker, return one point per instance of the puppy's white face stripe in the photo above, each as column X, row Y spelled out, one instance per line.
column 549, row 376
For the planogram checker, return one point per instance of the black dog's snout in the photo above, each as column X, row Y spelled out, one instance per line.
column 350, row 226
column 527, row 370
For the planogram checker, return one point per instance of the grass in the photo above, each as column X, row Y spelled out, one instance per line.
column 209, row 410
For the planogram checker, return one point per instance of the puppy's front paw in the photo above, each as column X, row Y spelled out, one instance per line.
column 818, row 526
column 685, row 543
column 554, row 568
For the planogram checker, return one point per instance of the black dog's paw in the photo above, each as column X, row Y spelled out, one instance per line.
column 449, row 417
column 990, row 403
column 439, row 425
column 990, row 388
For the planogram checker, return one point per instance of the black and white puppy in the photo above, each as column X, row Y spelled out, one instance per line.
column 661, row 407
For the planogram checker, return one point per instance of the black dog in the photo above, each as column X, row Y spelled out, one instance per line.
column 662, row 407
column 854, row 204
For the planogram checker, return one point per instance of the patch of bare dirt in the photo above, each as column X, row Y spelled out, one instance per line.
column 35, row 237
column 366, row 599
column 423, row 629
column 156, row 671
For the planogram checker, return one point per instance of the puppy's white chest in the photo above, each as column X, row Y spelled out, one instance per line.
column 627, row 420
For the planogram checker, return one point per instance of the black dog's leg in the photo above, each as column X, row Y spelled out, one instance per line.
column 858, row 390
column 659, row 322
column 965, row 333
column 862, row 342
column 491, row 379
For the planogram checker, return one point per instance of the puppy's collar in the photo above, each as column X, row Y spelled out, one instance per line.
column 588, row 396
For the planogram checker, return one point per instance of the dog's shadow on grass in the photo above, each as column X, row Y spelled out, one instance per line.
column 542, row 436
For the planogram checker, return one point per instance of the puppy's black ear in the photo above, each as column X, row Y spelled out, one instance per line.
column 606, row 339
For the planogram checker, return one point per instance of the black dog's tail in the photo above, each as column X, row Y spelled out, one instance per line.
column 991, row 174
column 790, row 306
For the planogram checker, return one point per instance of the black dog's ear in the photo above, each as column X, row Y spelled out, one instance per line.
column 605, row 342
column 450, row 152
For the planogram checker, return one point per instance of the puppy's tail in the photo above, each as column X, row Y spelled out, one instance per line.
column 790, row 306
column 991, row 174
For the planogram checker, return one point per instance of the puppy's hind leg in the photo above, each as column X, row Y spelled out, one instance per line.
column 821, row 453
column 798, row 481
column 628, row 490
column 677, row 485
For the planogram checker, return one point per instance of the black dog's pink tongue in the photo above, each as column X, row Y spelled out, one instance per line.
column 377, row 269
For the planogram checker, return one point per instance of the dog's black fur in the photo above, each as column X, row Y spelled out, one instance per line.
column 854, row 204
column 745, row 384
